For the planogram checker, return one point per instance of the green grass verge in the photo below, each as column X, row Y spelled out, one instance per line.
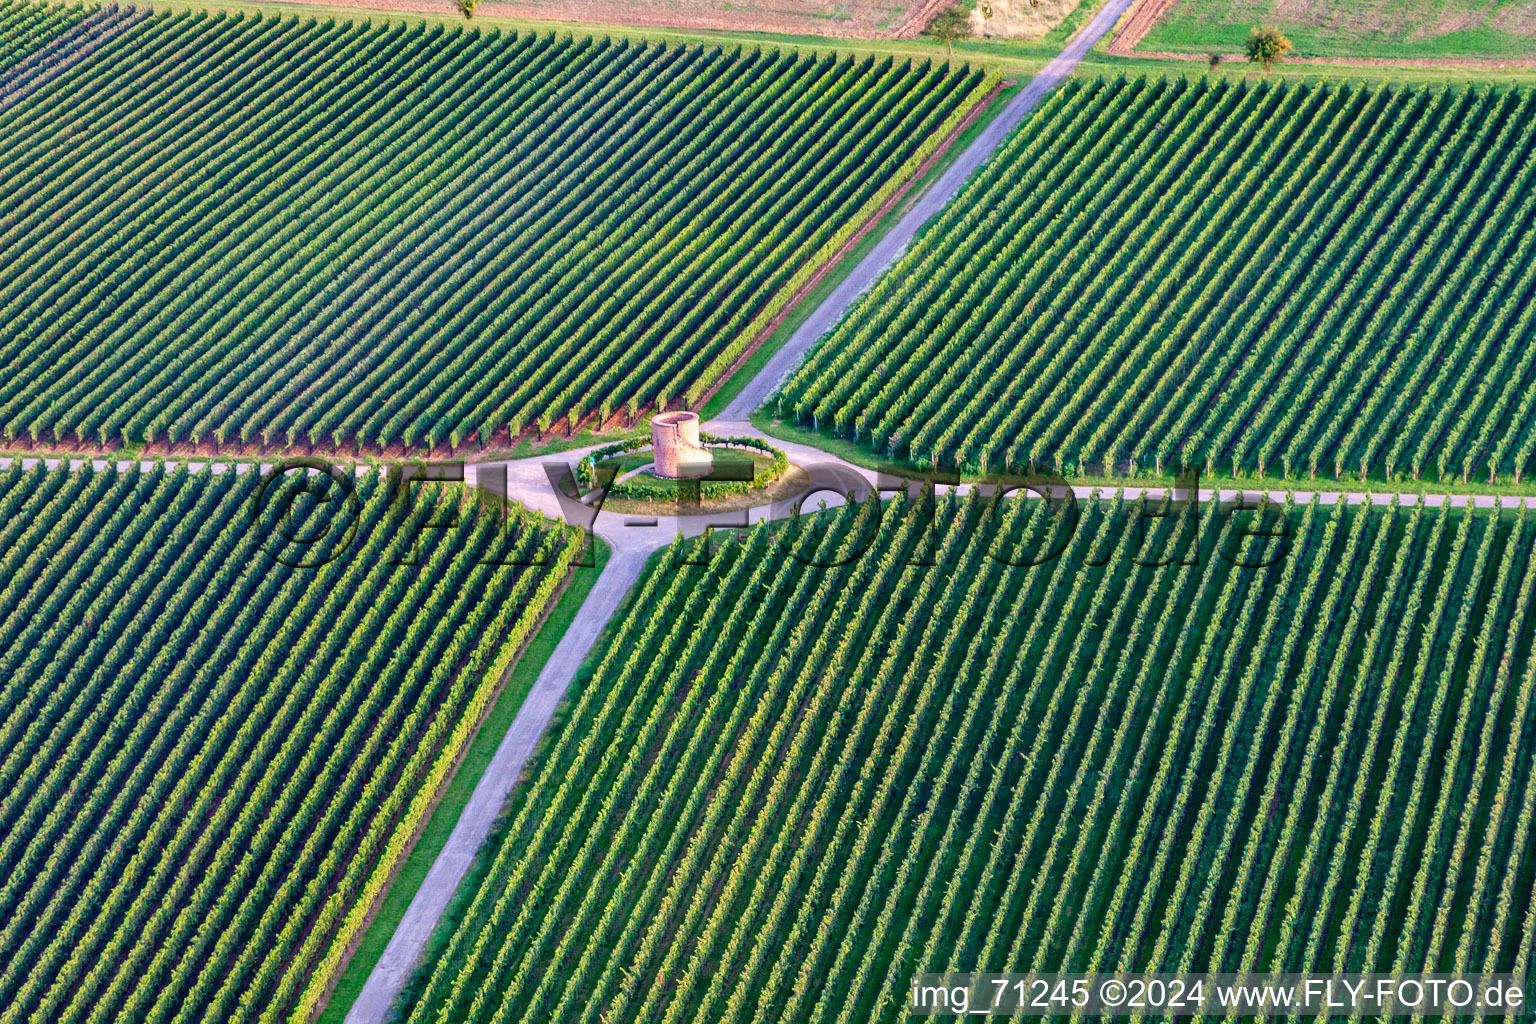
column 474, row 878
column 860, row 455
column 1402, row 29
column 1100, row 63
column 457, row 794
column 840, row 271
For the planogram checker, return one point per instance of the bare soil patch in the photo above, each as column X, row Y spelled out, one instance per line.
column 1519, row 19
column 1019, row 19
column 1137, row 24
column 921, row 12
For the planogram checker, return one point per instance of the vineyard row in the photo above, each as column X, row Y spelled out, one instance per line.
column 231, row 230
column 1275, row 280
column 787, row 789
column 211, row 758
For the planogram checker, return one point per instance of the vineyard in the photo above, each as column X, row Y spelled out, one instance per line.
column 212, row 756
column 800, row 762
column 255, row 231
column 1271, row 280
column 789, row 788
column 28, row 27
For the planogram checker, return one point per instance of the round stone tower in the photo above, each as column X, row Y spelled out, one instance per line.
column 675, row 440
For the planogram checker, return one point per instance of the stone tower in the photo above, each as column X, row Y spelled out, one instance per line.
column 675, row 440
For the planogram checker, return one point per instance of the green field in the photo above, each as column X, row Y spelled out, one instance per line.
column 268, row 231
column 812, row 767
column 1292, row 280
column 214, row 755
column 1442, row 29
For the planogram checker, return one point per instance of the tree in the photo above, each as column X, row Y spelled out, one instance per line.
column 467, row 6
column 1215, row 60
column 950, row 26
column 1266, row 46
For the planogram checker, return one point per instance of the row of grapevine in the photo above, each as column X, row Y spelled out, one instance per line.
column 787, row 789
column 1272, row 279
column 248, row 230
column 26, row 28
column 213, row 756
column 45, row 46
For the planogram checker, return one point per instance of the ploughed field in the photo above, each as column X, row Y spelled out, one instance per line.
column 213, row 747
column 835, row 756
column 1286, row 280
column 273, row 231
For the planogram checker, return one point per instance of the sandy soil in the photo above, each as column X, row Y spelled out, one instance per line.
column 1019, row 19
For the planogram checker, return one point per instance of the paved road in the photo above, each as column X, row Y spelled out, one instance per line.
column 928, row 205
column 528, row 484
column 490, row 796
